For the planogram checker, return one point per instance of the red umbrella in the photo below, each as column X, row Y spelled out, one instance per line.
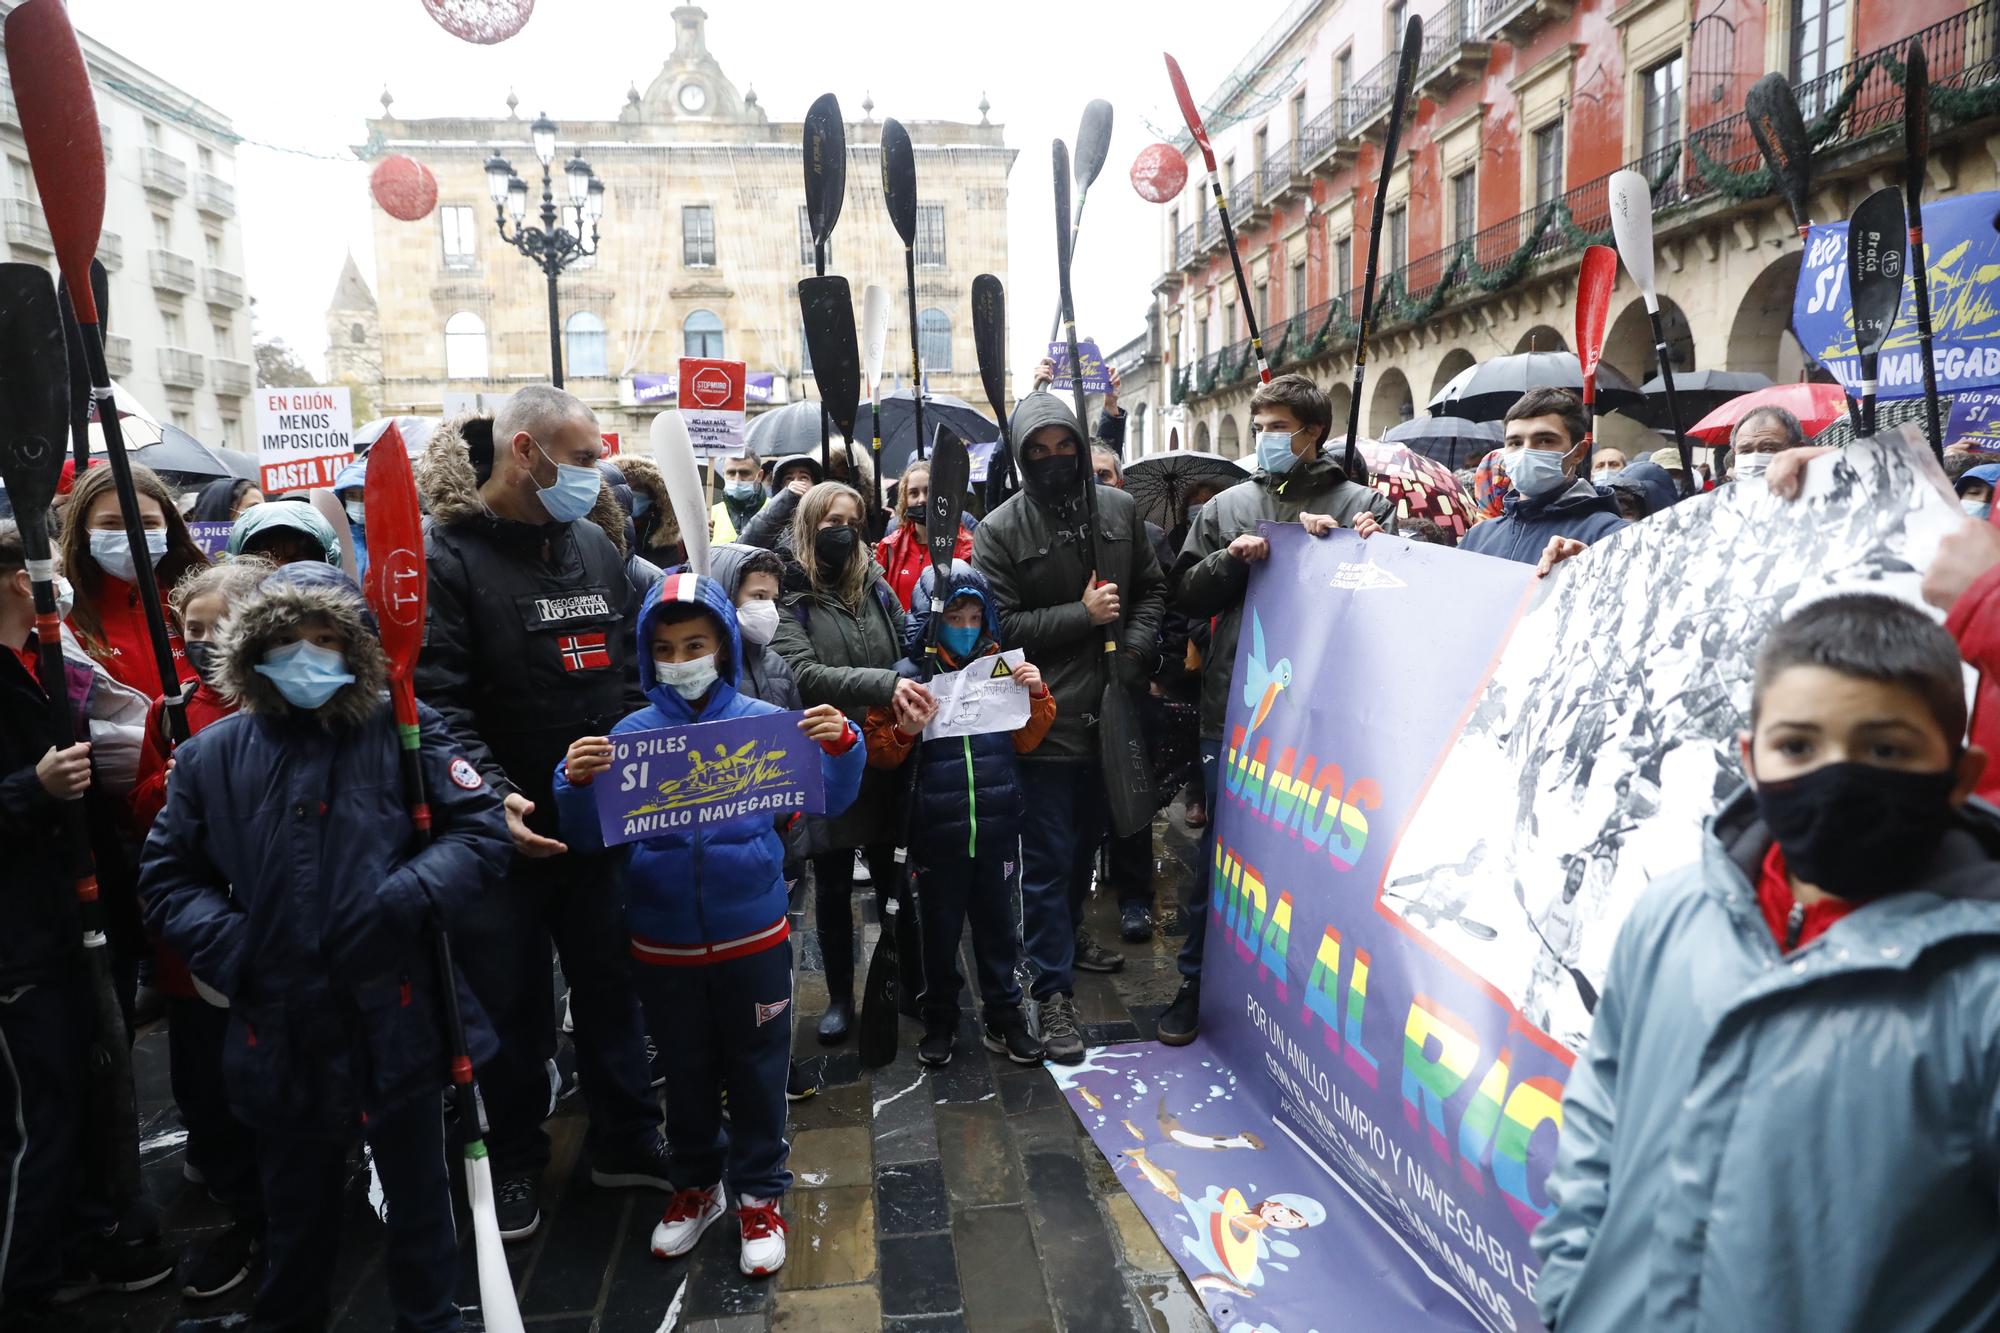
column 1817, row 406
column 1420, row 487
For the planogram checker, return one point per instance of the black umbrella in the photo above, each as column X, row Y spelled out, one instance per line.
column 1452, row 441
column 182, row 457
column 1487, row 390
column 899, row 425
column 1699, row 391
column 1159, row 483
column 791, row 429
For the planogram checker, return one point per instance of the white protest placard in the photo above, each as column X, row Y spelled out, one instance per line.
column 982, row 697
column 711, row 402
column 304, row 437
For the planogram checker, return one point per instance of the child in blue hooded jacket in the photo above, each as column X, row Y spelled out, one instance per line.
column 706, row 912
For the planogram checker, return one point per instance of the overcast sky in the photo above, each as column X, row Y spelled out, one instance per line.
column 306, row 77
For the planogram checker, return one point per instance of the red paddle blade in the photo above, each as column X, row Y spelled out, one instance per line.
column 1593, row 307
column 1189, row 112
column 65, row 145
column 395, row 551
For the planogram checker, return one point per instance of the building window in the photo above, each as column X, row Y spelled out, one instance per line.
column 163, row 232
column 232, row 432
column 461, row 228
column 1819, row 44
column 1398, row 14
column 1399, row 237
column 1660, row 115
column 1343, row 72
column 357, row 335
column 930, row 235
column 205, row 158
column 1201, row 340
column 1343, row 265
column 1464, row 206
column 1260, row 149
column 211, row 246
column 1299, row 288
column 698, row 236
column 806, row 257
column 19, row 175
column 1548, row 163
column 583, row 344
column 1228, row 175
column 152, row 134
column 183, row 421
column 1298, row 114
column 170, row 328
column 465, row 347
column 701, row 335
column 934, row 340
column 225, row 343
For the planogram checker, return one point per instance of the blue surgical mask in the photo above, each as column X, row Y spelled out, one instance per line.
column 1537, row 472
column 113, row 553
column 305, row 673
column 959, row 640
column 742, row 490
column 574, row 493
column 1274, row 451
column 1978, row 509
column 641, row 504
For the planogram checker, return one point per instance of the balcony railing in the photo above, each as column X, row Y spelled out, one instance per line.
column 1315, row 137
column 27, row 227
column 1453, row 49
column 117, row 354
column 1242, row 198
column 111, row 250
column 8, row 114
column 1184, row 247
column 224, row 288
column 171, row 272
column 214, row 195
column 163, row 173
column 180, row 368
column 230, row 378
column 1513, row 20
column 1277, row 173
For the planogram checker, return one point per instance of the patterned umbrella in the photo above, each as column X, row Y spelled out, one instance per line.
column 1419, row 487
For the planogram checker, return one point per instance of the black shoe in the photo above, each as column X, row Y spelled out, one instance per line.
column 223, row 1262
column 105, row 1263
column 1136, row 924
column 1094, row 957
column 1182, row 1021
column 940, row 1039
column 800, row 1082
column 518, row 1200
column 835, row 1022
column 1010, row 1037
column 642, row 1166
column 1062, row 1038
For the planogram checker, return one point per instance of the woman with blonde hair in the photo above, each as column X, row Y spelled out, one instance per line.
column 98, row 562
column 842, row 637
column 904, row 554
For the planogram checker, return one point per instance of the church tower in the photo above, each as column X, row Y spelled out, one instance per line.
column 354, row 341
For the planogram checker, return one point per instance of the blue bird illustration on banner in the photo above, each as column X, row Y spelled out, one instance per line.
column 1263, row 684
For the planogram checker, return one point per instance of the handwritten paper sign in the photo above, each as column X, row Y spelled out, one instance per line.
column 682, row 780
column 982, row 697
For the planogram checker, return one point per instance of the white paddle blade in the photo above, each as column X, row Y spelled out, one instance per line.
column 497, row 1306
column 874, row 333
column 1632, row 228
column 674, row 453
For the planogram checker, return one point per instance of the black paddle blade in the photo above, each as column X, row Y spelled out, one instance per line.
column 877, row 1022
column 899, row 179
column 1916, row 123
column 1876, row 241
column 100, row 287
column 1128, row 767
column 951, row 473
column 1780, row 132
column 1093, row 142
column 828, row 308
column 989, row 341
column 1059, row 155
column 826, row 166
column 34, row 387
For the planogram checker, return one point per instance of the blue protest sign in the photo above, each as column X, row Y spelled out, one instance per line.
column 1975, row 422
column 681, row 780
column 1963, row 248
column 1096, row 379
column 211, row 537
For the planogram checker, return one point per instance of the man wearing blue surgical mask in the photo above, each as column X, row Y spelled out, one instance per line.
column 526, row 650
column 1550, row 510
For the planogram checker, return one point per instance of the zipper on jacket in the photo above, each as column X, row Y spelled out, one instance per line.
column 971, row 803
column 1795, row 922
column 700, row 917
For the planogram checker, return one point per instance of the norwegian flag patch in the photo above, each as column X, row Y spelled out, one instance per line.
column 767, row 1012
column 464, row 775
column 583, row 652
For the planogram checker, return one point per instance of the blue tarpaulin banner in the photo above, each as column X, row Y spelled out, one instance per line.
column 1963, row 247
column 680, row 780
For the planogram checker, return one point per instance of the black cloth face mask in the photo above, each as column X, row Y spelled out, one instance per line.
column 1857, row 830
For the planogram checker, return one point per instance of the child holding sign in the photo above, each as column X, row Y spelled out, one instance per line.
column 967, row 828
column 706, row 911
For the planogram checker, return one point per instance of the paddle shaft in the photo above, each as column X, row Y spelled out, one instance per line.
column 1392, row 138
column 1673, row 402
column 1076, row 230
column 1920, row 285
column 916, row 349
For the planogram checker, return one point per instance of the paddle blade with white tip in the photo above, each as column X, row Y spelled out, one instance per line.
column 497, row 1306
column 673, row 452
column 874, row 333
column 1632, row 228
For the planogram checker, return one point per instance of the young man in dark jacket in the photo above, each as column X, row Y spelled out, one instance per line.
column 1055, row 600
column 525, row 651
column 1548, row 499
column 1295, row 482
column 285, row 871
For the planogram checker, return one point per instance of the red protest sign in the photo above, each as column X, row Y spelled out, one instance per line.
column 711, row 401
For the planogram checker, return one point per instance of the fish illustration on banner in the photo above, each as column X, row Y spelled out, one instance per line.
column 1963, row 248
column 680, row 780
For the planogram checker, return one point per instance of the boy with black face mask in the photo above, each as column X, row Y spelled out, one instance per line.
column 1786, row 1117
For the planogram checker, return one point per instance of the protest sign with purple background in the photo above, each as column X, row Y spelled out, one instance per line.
column 680, row 780
column 1096, row 379
column 1975, row 422
column 211, row 537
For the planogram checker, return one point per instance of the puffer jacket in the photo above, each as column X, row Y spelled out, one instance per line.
column 1210, row 583
column 969, row 793
column 1648, row 481
column 726, row 882
column 905, row 558
column 284, row 869
column 1581, row 511
column 1803, row 1141
column 1037, row 553
column 1975, row 622
column 524, row 649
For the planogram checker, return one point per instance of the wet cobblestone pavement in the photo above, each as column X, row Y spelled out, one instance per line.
column 961, row 1198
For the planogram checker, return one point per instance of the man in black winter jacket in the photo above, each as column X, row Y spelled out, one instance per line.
column 524, row 652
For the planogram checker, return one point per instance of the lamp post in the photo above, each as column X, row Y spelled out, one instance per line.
column 551, row 247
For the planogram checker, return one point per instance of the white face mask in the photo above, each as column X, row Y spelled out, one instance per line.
column 690, row 680
column 357, row 511
column 1753, row 465
column 758, row 621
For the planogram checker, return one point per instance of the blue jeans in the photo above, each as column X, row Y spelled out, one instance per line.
column 1058, row 844
column 1197, row 913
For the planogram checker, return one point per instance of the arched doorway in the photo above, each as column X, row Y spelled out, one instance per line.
column 1541, row 338
column 1456, row 362
column 1629, row 343
column 1201, row 436
column 1760, row 336
column 1390, row 405
column 1341, row 397
column 1227, row 443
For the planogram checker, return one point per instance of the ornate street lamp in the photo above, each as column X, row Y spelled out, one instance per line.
column 551, row 247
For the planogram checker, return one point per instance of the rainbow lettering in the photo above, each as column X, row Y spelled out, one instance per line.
column 1534, row 1102
column 1304, row 796
column 1429, row 1080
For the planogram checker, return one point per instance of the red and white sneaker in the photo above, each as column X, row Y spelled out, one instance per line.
column 763, row 1236
column 689, row 1213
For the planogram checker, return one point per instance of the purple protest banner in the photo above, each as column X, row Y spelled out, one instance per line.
column 1975, row 422
column 211, row 537
column 760, row 386
column 1096, row 379
column 681, row 780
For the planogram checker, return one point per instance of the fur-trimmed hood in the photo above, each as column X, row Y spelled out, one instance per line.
column 659, row 528
column 460, row 456
column 288, row 597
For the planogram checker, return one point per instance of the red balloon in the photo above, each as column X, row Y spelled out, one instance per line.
column 1159, row 173
column 482, row 21
column 404, row 187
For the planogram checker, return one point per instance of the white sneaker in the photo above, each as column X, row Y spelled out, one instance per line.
column 763, row 1236
column 689, row 1213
